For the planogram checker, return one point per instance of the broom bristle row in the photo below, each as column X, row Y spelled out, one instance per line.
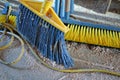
column 48, row 39
column 95, row 36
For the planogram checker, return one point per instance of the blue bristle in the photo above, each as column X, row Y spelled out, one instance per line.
column 20, row 18
column 38, row 33
column 46, row 38
column 31, row 29
column 42, row 44
column 50, row 40
column 59, row 51
column 36, row 23
column 23, row 21
column 55, row 52
column 29, row 21
column 56, row 46
column 28, row 26
column 69, row 61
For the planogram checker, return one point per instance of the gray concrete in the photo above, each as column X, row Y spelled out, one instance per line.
column 85, row 56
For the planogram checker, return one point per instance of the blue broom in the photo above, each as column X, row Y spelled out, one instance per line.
column 44, row 31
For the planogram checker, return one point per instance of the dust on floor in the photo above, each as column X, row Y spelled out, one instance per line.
column 84, row 55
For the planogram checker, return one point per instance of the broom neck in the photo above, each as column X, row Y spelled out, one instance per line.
column 45, row 6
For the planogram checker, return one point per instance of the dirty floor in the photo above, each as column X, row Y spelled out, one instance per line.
column 84, row 55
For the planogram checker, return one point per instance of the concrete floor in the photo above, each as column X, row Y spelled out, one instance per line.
column 85, row 56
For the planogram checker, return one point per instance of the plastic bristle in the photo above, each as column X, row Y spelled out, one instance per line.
column 94, row 36
column 11, row 19
column 118, row 39
column 77, row 33
column 47, row 39
column 2, row 18
column 72, row 30
column 110, row 37
column 87, row 33
column 81, row 29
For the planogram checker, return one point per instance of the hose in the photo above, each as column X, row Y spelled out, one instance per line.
column 10, row 43
column 11, row 40
column 21, row 53
column 63, row 70
column 71, row 70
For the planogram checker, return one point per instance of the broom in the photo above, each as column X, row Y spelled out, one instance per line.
column 39, row 25
column 86, row 32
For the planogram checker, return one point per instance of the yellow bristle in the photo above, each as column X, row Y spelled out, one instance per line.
column 72, row 31
column 70, row 34
column 2, row 18
column 87, row 34
column 76, row 31
column 113, row 36
column 81, row 33
column 94, row 36
column 90, row 34
column 119, row 38
column 109, row 38
column 12, row 19
column 84, row 31
column 98, row 36
column 106, row 40
column 102, row 37
column 115, row 39
column 81, row 28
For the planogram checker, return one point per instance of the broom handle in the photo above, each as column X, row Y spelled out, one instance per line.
column 67, row 6
column 67, row 9
column 45, row 6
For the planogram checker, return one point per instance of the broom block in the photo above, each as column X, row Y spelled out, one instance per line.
column 51, row 17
